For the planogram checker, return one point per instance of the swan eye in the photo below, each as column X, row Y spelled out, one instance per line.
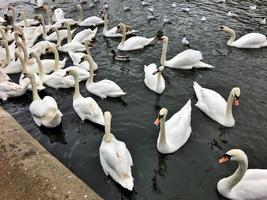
column 227, row 156
column 221, row 27
column 237, row 97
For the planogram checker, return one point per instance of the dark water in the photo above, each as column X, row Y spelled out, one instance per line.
column 192, row 172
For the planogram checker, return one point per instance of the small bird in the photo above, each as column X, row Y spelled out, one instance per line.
column 173, row 4
column 105, row 5
column 253, row 7
column 119, row 57
column 263, row 21
column 166, row 20
column 151, row 17
column 144, row 3
column 125, row 9
column 203, row 18
column 185, row 9
column 151, row 9
column 185, row 41
column 231, row 14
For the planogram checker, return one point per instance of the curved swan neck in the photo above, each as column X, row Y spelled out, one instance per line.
column 13, row 15
column 90, row 62
column 48, row 15
column 105, row 29
column 58, row 38
column 4, row 37
column 229, row 105
column 80, row 13
column 162, row 138
column 164, row 52
column 158, row 80
column 44, row 28
column 107, row 136
column 25, row 19
column 23, row 64
column 7, row 61
column 69, row 39
column 123, row 34
column 35, row 94
column 233, row 36
column 77, row 93
column 56, row 55
column 40, row 66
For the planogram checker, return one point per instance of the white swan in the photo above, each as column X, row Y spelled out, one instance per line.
column 214, row 105
column 249, row 41
column 44, row 111
column 58, row 14
column 90, row 21
column 56, row 79
column 244, row 184
column 115, row 158
column 9, row 89
column 187, row 59
column 113, row 32
column 7, row 35
column 84, row 35
column 153, row 78
column 86, row 108
column 175, row 132
column 104, row 88
column 26, row 22
column 133, row 43
column 7, row 55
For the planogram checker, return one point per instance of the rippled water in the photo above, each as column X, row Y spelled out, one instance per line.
column 192, row 172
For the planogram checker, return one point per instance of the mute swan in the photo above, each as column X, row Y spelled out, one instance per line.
column 54, row 80
column 250, row 40
column 86, row 108
column 44, row 111
column 115, row 158
column 72, row 46
column 84, row 35
column 176, row 131
column 114, row 31
column 244, row 183
column 133, row 43
column 214, row 105
column 153, row 78
column 187, row 59
column 90, row 21
column 26, row 22
column 8, row 55
column 7, row 35
column 104, row 88
column 9, row 89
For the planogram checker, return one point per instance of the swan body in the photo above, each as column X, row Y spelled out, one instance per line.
column 63, row 34
column 115, row 158
column 133, row 43
column 187, row 59
column 153, row 78
column 250, row 40
column 86, row 108
column 59, row 14
column 175, row 132
column 90, row 21
column 244, row 184
column 214, row 105
column 104, row 88
column 84, row 35
column 77, row 57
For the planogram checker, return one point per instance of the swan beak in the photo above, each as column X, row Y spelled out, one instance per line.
column 236, row 101
column 157, row 122
column 154, row 73
column 224, row 159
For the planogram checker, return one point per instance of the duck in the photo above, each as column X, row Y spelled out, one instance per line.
column 175, row 132
column 119, row 57
column 214, row 105
column 104, row 88
column 113, row 32
column 154, row 79
column 10, row 89
column 86, row 108
column 44, row 111
column 115, row 158
column 187, row 59
column 90, row 21
column 248, row 41
column 133, row 43
column 244, row 183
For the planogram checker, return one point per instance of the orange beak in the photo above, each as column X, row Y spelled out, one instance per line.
column 223, row 159
column 236, row 102
column 157, row 122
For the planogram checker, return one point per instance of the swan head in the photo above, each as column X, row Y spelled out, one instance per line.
column 162, row 114
column 10, row 8
column 88, row 43
column 160, row 69
column 224, row 28
column 233, row 155
column 121, row 27
column 38, row 17
column 236, row 95
column 72, row 72
column 107, row 116
column 78, row 7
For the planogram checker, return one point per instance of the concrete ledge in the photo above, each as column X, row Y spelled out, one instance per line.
column 29, row 172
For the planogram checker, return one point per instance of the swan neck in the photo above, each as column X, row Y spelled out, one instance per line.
column 108, row 135
column 58, row 38
column 229, row 106
column 40, row 67
column 4, row 37
column 164, row 53
column 7, row 54
column 48, row 16
column 25, row 20
column 56, row 66
column 44, row 28
column 77, row 93
column 80, row 13
column 123, row 35
column 105, row 29
column 89, row 59
column 162, row 138
column 23, row 64
column 158, row 81
column 14, row 16
column 69, row 39
column 233, row 36
column 35, row 95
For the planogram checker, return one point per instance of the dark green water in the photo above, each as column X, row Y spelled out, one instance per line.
column 192, row 172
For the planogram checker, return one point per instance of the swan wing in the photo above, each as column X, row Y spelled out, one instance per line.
column 105, row 87
column 91, row 21
column 250, row 39
column 150, row 79
column 76, row 57
column 255, row 174
column 136, row 42
column 185, row 59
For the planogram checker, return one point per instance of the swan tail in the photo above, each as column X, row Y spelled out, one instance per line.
column 127, row 182
column 202, row 65
column 197, row 89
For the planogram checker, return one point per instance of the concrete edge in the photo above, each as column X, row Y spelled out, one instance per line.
column 28, row 171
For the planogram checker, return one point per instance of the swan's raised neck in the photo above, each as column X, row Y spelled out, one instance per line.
column 164, row 50
column 108, row 136
column 22, row 61
column 161, row 120
column 239, row 156
column 74, row 73
column 41, row 18
column 232, row 32
column 13, row 14
column 4, row 37
column 40, row 65
column 35, row 94
column 24, row 19
column 91, row 67
column 123, row 32
column 5, row 45
column 79, row 7
column 234, row 94
column 56, row 55
column 69, row 39
column 46, row 8
column 58, row 37
column 25, row 52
